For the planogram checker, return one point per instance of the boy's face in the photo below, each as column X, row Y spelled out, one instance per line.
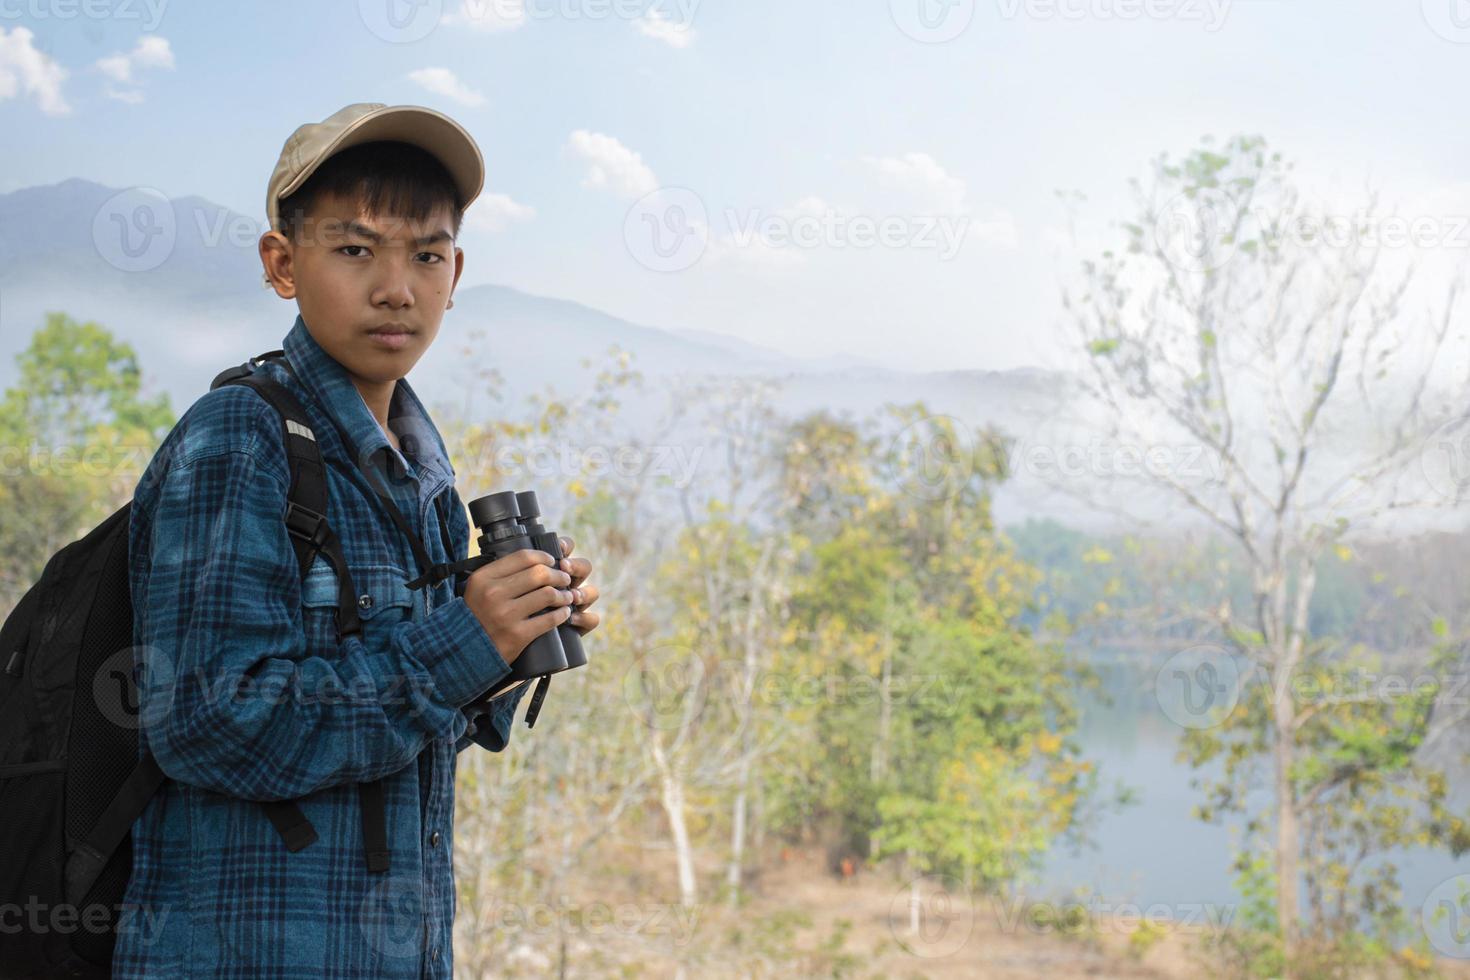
column 371, row 288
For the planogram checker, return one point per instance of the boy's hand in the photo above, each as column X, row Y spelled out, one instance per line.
column 585, row 595
column 508, row 594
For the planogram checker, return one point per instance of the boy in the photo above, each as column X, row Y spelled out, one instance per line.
column 248, row 694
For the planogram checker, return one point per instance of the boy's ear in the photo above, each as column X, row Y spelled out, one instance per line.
column 275, row 258
column 458, row 271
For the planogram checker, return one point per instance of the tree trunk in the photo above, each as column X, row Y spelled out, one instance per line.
column 672, row 796
column 737, row 835
column 1287, row 844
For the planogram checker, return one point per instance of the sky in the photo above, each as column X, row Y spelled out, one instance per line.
column 876, row 178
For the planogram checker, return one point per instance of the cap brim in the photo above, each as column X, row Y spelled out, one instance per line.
column 425, row 128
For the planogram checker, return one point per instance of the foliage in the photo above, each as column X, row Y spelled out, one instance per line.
column 76, row 433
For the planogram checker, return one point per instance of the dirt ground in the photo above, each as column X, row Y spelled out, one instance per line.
column 986, row 938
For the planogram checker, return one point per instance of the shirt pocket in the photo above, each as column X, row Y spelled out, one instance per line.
column 383, row 599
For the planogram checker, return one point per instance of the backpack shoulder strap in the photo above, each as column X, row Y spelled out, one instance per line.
column 306, row 508
column 311, row 535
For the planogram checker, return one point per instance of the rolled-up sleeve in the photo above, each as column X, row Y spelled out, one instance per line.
column 489, row 719
column 231, row 698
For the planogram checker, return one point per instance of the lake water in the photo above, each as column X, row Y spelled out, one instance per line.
column 1155, row 850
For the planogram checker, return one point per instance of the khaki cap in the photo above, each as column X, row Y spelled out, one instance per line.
column 365, row 122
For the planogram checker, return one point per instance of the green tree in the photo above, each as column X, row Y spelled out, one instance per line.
column 76, row 432
column 1226, row 325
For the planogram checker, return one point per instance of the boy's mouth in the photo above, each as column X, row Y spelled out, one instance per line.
column 392, row 336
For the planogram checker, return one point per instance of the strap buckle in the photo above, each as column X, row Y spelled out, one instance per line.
column 305, row 523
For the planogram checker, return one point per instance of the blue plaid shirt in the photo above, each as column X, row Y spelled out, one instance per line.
column 246, row 695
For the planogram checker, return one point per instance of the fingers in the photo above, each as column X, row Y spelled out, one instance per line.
column 546, row 597
column 566, row 545
column 533, row 579
column 586, row 595
column 546, row 622
column 579, row 568
column 584, row 622
column 516, row 562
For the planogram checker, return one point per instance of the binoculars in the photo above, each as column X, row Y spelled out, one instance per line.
column 510, row 521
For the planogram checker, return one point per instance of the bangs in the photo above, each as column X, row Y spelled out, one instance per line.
column 383, row 179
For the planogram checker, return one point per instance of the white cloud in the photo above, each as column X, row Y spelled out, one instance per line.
column 151, row 51
column 129, row 95
column 921, row 175
column 22, row 67
column 494, row 212
column 491, row 16
column 442, row 81
column 656, row 25
column 612, row 166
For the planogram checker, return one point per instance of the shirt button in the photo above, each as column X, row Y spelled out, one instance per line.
column 434, row 839
column 365, row 601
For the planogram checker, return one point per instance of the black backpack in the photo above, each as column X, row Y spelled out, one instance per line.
column 71, row 780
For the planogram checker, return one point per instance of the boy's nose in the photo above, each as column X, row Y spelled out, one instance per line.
column 393, row 291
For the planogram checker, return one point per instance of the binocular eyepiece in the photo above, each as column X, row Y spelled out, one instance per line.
column 510, row 521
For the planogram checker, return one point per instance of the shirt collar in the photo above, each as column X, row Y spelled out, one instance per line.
column 407, row 418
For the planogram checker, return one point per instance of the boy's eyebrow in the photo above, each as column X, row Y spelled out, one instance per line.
column 363, row 231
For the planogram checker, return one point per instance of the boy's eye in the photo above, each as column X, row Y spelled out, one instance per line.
column 346, row 247
column 433, row 255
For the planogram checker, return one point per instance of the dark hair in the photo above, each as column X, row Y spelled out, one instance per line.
column 385, row 177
